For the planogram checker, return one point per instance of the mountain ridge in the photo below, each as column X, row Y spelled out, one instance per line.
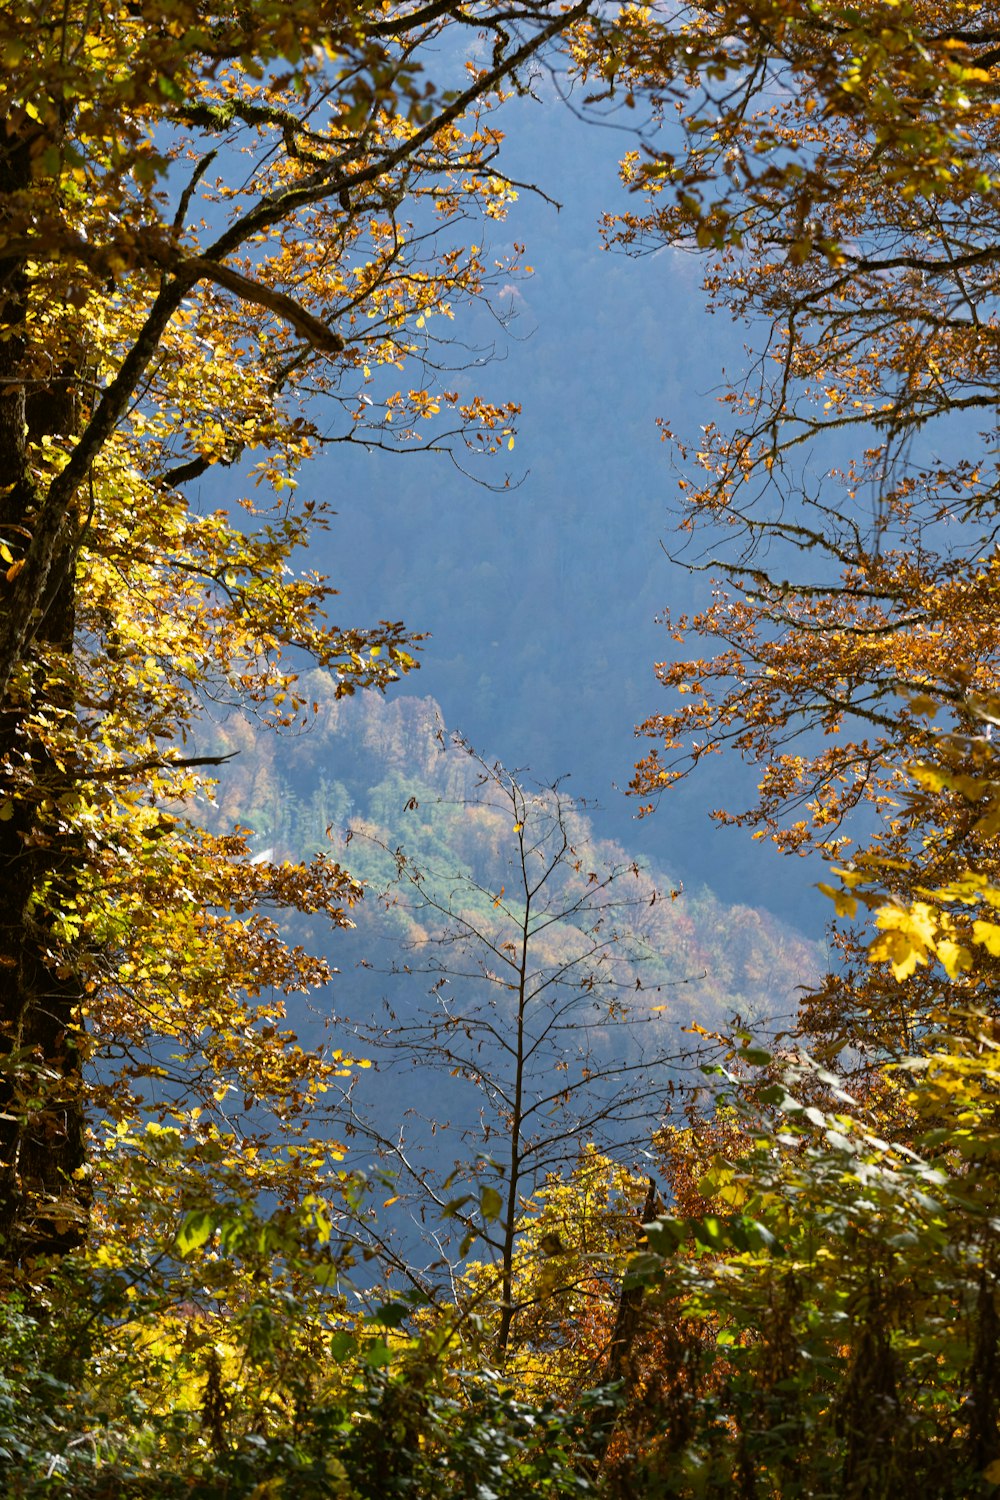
column 387, row 773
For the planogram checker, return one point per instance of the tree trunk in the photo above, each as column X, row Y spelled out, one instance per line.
column 627, row 1318
column 43, row 1197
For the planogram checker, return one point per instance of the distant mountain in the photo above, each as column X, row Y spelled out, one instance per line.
column 387, row 767
column 622, row 976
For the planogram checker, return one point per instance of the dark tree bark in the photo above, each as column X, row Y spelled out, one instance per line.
column 627, row 1318
column 43, row 1202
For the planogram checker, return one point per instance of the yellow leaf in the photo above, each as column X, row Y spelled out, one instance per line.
column 930, row 777
column 849, row 877
column 844, row 903
column 954, row 957
column 925, row 705
column 988, row 826
column 898, row 949
column 987, row 934
column 918, row 921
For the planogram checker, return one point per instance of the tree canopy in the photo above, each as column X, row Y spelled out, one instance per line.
column 835, row 167
column 230, row 238
column 224, row 234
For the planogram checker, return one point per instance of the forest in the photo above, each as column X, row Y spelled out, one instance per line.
column 373, row 1122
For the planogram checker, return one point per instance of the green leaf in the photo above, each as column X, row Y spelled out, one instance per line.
column 390, row 1315
column 194, row 1232
column 490, row 1204
column 343, row 1344
column 757, row 1057
column 665, row 1235
column 452, row 1208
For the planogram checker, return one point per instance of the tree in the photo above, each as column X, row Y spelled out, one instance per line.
column 222, row 231
column 835, row 165
column 835, row 170
column 824, row 1285
column 843, row 229
column 542, row 1003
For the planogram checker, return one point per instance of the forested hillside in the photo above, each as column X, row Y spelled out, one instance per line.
column 424, row 822
column 372, row 1124
column 389, row 770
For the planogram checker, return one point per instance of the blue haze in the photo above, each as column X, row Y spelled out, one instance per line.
column 541, row 601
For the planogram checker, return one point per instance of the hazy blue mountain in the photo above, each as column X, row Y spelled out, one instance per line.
column 387, row 773
column 542, row 601
column 387, row 768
